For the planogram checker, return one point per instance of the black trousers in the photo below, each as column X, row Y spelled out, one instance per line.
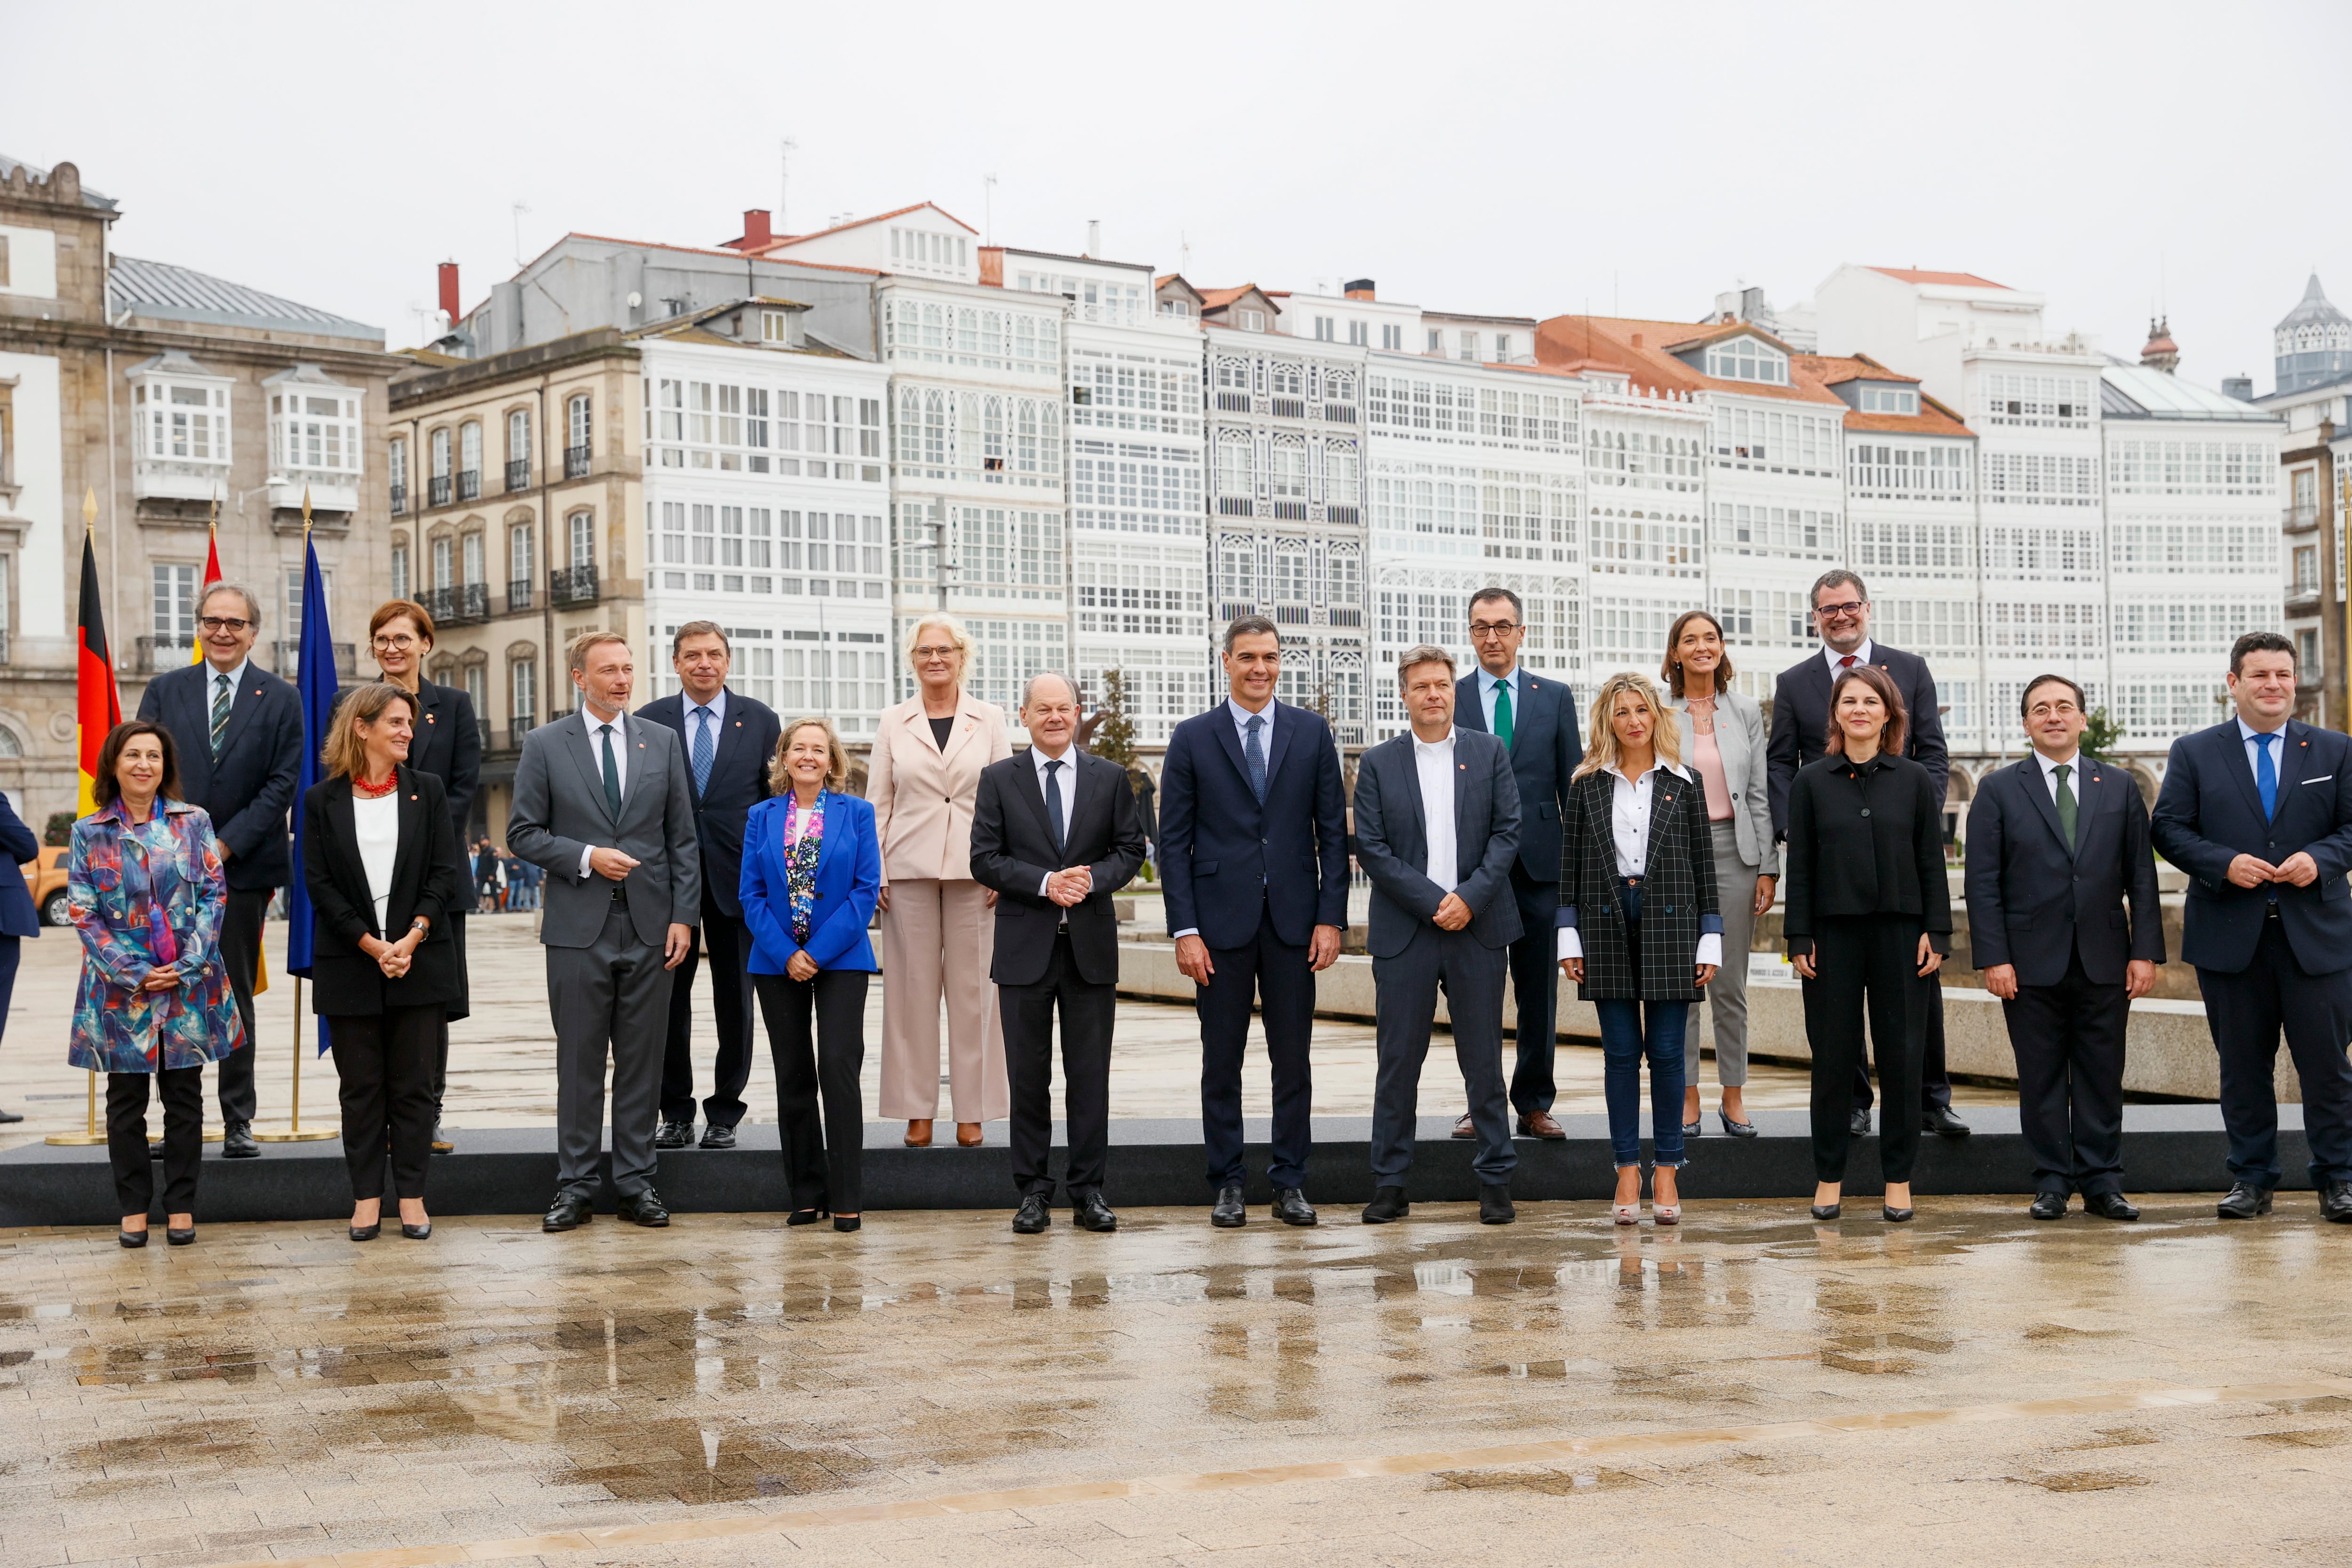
column 1278, row 977
column 1535, row 989
column 1086, row 1012
column 241, row 948
column 1871, row 960
column 821, row 1157
column 729, row 942
column 2245, row 1011
column 2069, row 1043
column 385, row 1062
column 1935, row 1082
column 182, row 1092
column 11, row 949
column 456, row 923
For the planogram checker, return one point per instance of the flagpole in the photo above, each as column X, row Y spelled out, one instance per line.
column 110, row 704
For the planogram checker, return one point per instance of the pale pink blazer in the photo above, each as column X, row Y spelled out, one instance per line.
column 923, row 798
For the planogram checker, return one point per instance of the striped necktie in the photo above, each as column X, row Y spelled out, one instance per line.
column 221, row 710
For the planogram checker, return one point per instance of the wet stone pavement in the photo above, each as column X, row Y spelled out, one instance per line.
column 1972, row 1388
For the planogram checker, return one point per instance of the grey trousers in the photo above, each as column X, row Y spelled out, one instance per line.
column 1735, row 890
column 1405, row 999
column 609, row 999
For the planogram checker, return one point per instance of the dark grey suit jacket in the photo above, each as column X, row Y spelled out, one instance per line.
column 1392, row 841
column 559, row 812
column 1544, row 754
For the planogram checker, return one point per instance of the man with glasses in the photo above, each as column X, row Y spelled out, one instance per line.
column 240, row 732
column 1535, row 718
column 1800, row 718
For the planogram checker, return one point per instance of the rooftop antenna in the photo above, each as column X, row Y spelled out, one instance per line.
column 784, row 150
column 519, row 208
column 1183, row 254
column 987, row 211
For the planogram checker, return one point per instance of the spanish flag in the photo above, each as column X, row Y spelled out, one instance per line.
column 98, row 703
column 212, row 576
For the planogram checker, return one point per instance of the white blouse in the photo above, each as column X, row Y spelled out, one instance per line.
column 376, row 824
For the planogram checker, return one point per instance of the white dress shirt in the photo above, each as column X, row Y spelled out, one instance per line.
column 1489, row 683
column 1629, row 830
column 1432, row 766
column 236, row 683
column 2246, row 733
column 1068, row 779
column 1837, row 660
column 596, row 728
column 2072, row 761
column 375, row 825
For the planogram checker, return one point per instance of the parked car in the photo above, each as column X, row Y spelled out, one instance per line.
column 45, row 878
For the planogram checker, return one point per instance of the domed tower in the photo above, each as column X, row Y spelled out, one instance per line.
column 2312, row 346
column 2161, row 352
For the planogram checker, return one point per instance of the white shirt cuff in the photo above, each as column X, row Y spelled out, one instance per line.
column 584, row 867
column 1046, row 886
column 1570, row 945
column 1188, row 930
column 1710, row 949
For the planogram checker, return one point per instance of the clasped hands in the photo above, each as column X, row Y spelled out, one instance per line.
column 392, row 957
column 1070, row 886
column 2253, row 870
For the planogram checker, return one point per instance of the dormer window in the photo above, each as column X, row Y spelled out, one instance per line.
column 775, row 326
column 1745, row 359
column 1889, row 400
column 1252, row 321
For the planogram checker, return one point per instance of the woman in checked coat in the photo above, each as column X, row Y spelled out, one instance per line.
column 1641, row 929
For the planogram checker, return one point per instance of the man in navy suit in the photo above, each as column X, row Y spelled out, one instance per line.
column 18, row 919
column 240, row 732
column 1535, row 718
column 1800, row 720
column 1253, row 858
column 2058, row 850
column 2258, row 812
column 730, row 742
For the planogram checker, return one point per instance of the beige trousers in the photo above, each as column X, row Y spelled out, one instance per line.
column 938, row 938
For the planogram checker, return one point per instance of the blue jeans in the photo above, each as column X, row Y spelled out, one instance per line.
column 1623, row 1046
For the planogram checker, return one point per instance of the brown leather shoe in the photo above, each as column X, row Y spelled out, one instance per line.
column 969, row 1135
column 918, row 1134
column 1463, row 1129
column 1540, row 1124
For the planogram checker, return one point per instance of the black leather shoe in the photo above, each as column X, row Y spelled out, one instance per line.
column 644, row 1209
column 717, row 1137
column 7, row 1116
column 2109, row 1205
column 1291, row 1207
column 2246, row 1202
column 1093, row 1213
column 1895, row 1216
column 1858, row 1123
column 674, row 1135
column 180, row 1237
column 1495, row 1204
column 1388, row 1203
column 2334, row 1203
column 2052, row 1205
column 1829, row 1211
column 808, row 1216
column 847, row 1222
column 367, row 1232
column 417, row 1232
column 1227, row 1213
column 131, row 1238
column 568, row 1212
column 237, row 1141
column 1943, row 1123
column 1035, row 1215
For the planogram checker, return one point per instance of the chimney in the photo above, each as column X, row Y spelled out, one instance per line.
column 1637, row 339
column 1094, row 236
column 450, row 291
column 2241, row 387
column 1358, row 288
column 756, row 235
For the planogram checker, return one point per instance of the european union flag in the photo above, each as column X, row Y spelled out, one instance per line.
column 316, row 685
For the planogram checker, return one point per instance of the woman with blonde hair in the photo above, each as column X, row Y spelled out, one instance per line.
column 1640, row 926
column 380, row 864
column 939, row 936
column 812, row 870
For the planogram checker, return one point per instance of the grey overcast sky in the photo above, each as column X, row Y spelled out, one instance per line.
column 1529, row 160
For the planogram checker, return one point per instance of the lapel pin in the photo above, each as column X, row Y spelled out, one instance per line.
column 431, row 719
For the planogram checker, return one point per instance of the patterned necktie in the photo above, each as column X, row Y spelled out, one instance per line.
column 612, row 777
column 2266, row 775
column 220, row 713
column 1503, row 711
column 1254, row 753
column 1054, row 803
column 2065, row 804
column 702, row 752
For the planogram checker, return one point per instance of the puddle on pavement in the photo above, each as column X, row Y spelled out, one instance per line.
column 2083, row 1480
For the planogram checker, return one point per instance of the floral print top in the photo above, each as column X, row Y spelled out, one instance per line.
column 803, row 846
column 145, row 896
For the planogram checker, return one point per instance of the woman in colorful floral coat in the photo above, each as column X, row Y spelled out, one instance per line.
column 145, row 887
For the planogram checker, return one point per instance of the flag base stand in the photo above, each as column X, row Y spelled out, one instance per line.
column 295, row 1131
column 292, row 1135
column 89, row 1137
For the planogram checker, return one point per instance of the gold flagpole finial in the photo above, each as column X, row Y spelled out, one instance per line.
column 89, row 508
column 306, row 509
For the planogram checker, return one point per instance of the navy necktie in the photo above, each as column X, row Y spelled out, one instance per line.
column 1254, row 752
column 612, row 777
column 702, row 750
column 1054, row 803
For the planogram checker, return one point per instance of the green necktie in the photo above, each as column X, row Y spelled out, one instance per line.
column 2066, row 805
column 612, row 777
column 1503, row 711
column 221, row 708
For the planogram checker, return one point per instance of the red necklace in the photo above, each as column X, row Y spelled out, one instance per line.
column 360, row 786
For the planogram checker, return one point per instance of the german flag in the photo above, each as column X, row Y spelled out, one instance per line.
column 97, row 703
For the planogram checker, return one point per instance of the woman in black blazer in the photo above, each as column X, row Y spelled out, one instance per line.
column 1869, row 919
column 380, row 861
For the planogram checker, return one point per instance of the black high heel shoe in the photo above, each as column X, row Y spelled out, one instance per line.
column 1895, row 1216
column 1737, row 1129
column 847, row 1222
column 417, row 1232
column 807, row 1216
column 180, row 1237
column 131, row 1238
column 1828, row 1211
column 367, row 1232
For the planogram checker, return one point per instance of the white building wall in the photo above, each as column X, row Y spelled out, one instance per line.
column 1645, row 523
column 1911, row 522
column 1775, row 501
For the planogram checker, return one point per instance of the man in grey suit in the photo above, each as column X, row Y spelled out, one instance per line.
column 1437, row 831
column 602, row 803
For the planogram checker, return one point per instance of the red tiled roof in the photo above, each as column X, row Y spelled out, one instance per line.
column 783, row 240
column 1834, row 370
column 1607, row 342
column 1950, row 279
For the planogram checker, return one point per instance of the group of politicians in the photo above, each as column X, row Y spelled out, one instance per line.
column 1506, row 846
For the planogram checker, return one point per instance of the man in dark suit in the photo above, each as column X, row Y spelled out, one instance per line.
column 1535, row 718
column 2258, row 812
column 18, row 919
column 1253, row 861
column 1800, row 718
column 1437, row 831
column 2058, row 847
column 238, row 729
column 730, row 742
column 1054, row 832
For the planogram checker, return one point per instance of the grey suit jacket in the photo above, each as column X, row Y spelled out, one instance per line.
column 559, row 812
column 1392, row 841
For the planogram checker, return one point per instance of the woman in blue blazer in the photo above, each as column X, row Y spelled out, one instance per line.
column 812, row 864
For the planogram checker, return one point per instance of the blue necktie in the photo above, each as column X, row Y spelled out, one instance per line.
column 1053, row 804
column 702, row 752
column 2266, row 775
column 1254, row 752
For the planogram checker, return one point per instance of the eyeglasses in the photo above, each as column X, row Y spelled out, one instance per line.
column 1482, row 630
column 933, row 652
column 1839, row 612
column 223, row 624
column 403, row 640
